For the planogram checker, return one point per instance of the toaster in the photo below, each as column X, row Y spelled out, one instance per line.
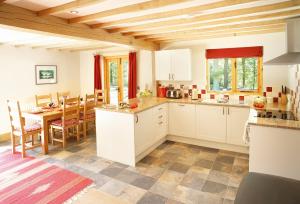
column 174, row 93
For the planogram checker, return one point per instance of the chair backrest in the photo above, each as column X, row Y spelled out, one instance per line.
column 88, row 109
column 15, row 116
column 99, row 95
column 61, row 96
column 71, row 109
column 43, row 100
column 90, row 97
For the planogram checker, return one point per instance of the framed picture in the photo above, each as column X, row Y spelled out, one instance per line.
column 45, row 74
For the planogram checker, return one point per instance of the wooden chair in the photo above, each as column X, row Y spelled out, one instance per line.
column 43, row 100
column 99, row 96
column 70, row 119
column 25, row 132
column 88, row 114
column 61, row 96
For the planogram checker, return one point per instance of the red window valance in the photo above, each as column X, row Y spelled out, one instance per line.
column 235, row 52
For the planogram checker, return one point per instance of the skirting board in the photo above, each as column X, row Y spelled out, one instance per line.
column 150, row 149
column 5, row 137
column 216, row 145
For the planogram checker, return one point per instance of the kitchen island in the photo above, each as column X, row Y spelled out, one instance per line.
column 128, row 135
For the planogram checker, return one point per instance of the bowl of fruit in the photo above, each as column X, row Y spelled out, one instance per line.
column 259, row 102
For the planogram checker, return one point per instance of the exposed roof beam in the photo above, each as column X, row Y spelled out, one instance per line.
column 68, row 6
column 233, row 34
column 213, row 33
column 126, row 9
column 83, row 48
column 213, row 16
column 177, row 12
column 22, row 18
column 283, row 14
column 215, row 29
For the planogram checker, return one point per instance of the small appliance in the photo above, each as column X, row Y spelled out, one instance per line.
column 162, row 91
column 174, row 93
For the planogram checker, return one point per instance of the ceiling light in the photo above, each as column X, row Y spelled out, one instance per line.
column 74, row 12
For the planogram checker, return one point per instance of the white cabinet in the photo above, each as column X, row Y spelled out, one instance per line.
column 163, row 65
column 182, row 119
column 236, row 119
column 160, row 118
column 143, row 130
column 173, row 65
column 181, row 65
column 221, row 123
column 211, row 123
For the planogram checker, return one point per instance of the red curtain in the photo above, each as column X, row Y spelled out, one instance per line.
column 132, row 78
column 235, row 52
column 97, row 72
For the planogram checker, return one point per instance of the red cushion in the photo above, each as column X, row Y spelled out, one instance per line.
column 88, row 116
column 32, row 127
column 67, row 122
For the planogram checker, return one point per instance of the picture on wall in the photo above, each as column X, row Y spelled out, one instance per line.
column 45, row 74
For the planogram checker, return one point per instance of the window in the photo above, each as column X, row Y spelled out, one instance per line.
column 234, row 73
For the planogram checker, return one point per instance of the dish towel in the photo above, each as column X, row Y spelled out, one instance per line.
column 246, row 137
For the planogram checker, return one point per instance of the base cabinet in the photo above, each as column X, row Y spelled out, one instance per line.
column 182, row 119
column 211, row 123
column 236, row 120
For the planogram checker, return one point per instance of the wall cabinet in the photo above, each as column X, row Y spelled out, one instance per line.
column 221, row 123
column 211, row 123
column 182, row 119
column 173, row 65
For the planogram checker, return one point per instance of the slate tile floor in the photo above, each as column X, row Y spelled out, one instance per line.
column 173, row 173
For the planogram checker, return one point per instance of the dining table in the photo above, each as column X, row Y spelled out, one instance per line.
column 44, row 116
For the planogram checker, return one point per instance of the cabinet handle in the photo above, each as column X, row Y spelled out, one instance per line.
column 160, row 116
column 228, row 110
column 173, row 76
column 160, row 123
column 180, row 104
column 223, row 111
column 169, row 76
column 136, row 119
column 160, row 108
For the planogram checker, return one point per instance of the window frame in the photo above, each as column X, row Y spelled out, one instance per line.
column 234, row 89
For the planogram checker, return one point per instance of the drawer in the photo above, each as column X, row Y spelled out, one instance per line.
column 161, row 109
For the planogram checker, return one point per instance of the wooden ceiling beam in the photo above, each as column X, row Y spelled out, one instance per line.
column 22, row 18
column 216, row 29
column 283, row 15
column 212, row 33
column 276, row 30
column 172, row 13
column 210, row 17
column 84, row 48
column 126, row 9
column 68, row 7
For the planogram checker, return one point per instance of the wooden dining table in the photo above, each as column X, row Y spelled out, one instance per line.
column 44, row 118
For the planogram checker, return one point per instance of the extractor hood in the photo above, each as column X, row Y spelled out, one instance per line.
column 292, row 56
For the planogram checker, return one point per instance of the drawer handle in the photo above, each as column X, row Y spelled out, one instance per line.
column 181, row 104
column 160, row 123
column 160, row 108
column 160, row 116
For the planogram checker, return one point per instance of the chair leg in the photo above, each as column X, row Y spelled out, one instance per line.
column 13, row 143
column 77, row 133
column 23, row 147
column 52, row 134
column 64, row 133
column 84, row 129
column 32, row 140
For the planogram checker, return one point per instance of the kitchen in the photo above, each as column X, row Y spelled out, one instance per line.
column 149, row 101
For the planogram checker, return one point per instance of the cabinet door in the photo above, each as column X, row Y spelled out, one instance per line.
column 181, row 65
column 211, row 123
column 182, row 119
column 144, row 130
column 162, row 65
column 236, row 120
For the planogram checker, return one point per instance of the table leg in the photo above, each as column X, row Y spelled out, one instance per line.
column 45, row 136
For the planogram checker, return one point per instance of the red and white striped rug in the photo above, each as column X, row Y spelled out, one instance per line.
column 30, row 180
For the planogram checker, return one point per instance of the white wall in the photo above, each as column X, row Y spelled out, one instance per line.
column 274, row 45
column 17, row 76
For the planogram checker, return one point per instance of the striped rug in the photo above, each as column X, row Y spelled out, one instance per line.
column 31, row 181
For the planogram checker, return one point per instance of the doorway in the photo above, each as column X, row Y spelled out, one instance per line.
column 116, row 79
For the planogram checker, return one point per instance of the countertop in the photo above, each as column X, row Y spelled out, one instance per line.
column 149, row 102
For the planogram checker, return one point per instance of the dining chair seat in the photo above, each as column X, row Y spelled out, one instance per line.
column 32, row 127
column 67, row 122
